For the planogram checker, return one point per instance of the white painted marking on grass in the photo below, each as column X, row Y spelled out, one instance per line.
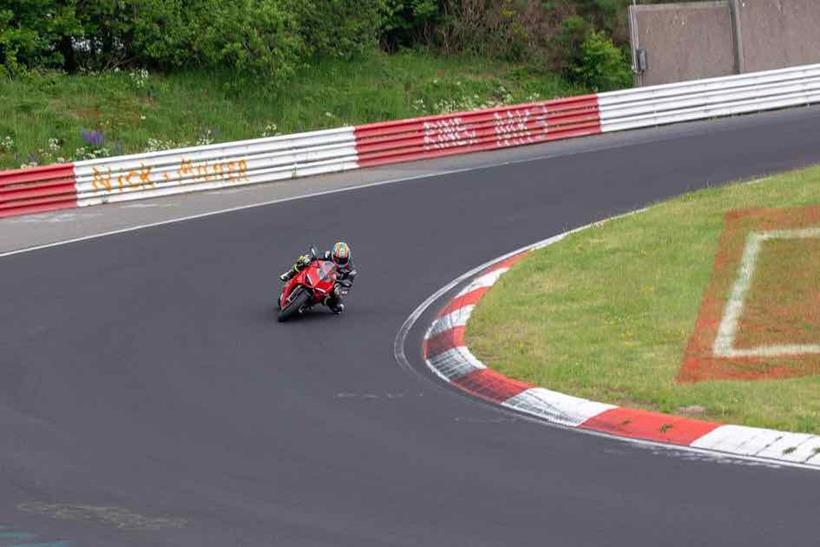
column 724, row 345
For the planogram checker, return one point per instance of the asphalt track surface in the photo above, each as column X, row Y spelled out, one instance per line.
column 145, row 373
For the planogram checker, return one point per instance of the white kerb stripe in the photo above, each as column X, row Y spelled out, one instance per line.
column 486, row 280
column 457, row 318
column 454, row 363
column 738, row 439
column 795, row 447
column 556, row 407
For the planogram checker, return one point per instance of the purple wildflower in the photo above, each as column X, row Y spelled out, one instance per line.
column 94, row 138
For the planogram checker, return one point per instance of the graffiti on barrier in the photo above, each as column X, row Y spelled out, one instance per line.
column 452, row 133
column 187, row 172
column 522, row 126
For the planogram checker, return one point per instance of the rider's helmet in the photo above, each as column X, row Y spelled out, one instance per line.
column 341, row 253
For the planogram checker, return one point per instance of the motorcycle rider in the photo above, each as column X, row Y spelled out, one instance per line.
column 345, row 273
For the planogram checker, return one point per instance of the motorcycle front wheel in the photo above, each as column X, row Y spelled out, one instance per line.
column 296, row 304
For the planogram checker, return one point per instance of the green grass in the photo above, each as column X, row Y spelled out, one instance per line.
column 186, row 108
column 606, row 313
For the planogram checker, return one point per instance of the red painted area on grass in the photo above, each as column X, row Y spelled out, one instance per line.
column 652, row 426
column 699, row 362
column 489, row 384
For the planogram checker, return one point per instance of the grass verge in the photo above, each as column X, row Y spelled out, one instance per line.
column 606, row 313
column 43, row 116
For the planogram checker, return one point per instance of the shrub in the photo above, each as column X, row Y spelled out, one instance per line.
column 602, row 66
column 256, row 36
column 494, row 28
column 408, row 23
column 567, row 51
column 339, row 28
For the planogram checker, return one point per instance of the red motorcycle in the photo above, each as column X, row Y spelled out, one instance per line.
column 309, row 287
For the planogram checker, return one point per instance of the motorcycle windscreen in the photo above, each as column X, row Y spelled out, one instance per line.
column 326, row 270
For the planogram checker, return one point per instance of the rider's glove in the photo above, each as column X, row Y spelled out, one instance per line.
column 284, row 277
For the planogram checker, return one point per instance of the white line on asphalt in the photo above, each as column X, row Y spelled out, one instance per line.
column 273, row 202
column 556, row 154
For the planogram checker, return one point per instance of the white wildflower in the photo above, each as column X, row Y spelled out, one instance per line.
column 139, row 77
column 6, row 144
column 270, row 130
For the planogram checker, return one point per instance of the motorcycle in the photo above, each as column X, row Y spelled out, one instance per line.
column 311, row 286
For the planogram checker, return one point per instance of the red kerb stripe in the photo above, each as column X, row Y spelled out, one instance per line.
column 469, row 299
column 507, row 262
column 490, row 385
column 444, row 341
column 651, row 426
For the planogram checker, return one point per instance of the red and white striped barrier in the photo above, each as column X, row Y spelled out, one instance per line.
column 435, row 136
column 448, row 357
column 141, row 176
column 37, row 190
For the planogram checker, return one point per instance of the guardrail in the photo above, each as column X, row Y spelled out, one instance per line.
column 433, row 136
column 710, row 98
column 142, row 176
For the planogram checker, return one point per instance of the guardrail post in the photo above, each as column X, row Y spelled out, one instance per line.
column 737, row 34
column 633, row 40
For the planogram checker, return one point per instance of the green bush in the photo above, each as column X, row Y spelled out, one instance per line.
column 256, row 36
column 115, row 33
column 567, row 51
column 607, row 15
column 602, row 66
column 339, row 28
column 502, row 29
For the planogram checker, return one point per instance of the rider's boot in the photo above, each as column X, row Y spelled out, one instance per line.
column 334, row 304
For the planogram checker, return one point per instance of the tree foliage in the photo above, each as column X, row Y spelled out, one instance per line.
column 269, row 37
column 273, row 38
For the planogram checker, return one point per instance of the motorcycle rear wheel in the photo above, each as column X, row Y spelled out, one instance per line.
column 296, row 304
